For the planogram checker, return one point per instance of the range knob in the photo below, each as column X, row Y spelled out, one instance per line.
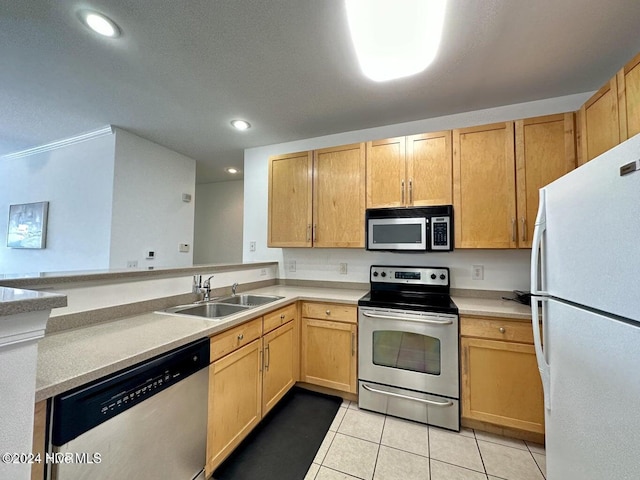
column 383, row 274
column 442, row 276
column 433, row 276
column 375, row 274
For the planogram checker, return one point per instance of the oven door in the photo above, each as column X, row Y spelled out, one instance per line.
column 408, row 349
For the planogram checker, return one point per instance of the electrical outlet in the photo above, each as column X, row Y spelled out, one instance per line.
column 477, row 272
column 343, row 269
column 263, row 272
column 292, row 265
column 132, row 264
column 252, row 246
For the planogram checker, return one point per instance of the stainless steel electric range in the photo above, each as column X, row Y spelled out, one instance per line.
column 408, row 358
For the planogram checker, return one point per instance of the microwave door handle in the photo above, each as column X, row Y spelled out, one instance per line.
column 389, row 317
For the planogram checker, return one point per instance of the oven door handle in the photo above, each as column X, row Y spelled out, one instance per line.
column 422, row 320
column 405, row 397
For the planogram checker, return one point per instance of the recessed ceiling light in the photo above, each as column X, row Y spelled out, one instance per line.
column 241, row 124
column 395, row 39
column 100, row 23
column 232, row 170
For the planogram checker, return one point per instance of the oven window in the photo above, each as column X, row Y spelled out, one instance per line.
column 407, row 351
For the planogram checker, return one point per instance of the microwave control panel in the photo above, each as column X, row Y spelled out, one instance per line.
column 440, row 238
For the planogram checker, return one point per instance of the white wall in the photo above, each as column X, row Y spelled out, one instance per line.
column 504, row 270
column 218, row 223
column 148, row 211
column 77, row 181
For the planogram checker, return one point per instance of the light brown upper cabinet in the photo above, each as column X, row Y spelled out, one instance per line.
column 290, row 200
column 410, row 171
column 545, row 151
column 317, row 198
column 628, row 80
column 484, row 196
column 598, row 123
column 339, row 196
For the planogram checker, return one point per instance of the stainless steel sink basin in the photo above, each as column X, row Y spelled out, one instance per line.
column 248, row 300
column 208, row 310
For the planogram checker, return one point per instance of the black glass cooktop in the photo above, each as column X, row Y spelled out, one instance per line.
column 426, row 302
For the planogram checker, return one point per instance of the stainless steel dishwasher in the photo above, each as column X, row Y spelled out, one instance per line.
column 148, row 421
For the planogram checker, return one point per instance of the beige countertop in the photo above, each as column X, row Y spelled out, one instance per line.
column 74, row 357
column 16, row 300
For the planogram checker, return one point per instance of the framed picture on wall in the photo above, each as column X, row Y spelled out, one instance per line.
column 28, row 225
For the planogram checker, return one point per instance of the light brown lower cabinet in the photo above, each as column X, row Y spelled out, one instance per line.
column 279, row 365
column 328, row 348
column 501, row 386
column 235, row 401
column 250, row 372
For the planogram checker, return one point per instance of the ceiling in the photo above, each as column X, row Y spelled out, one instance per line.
column 182, row 70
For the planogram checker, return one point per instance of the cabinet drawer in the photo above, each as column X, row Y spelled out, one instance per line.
column 226, row 342
column 331, row 311
column 496, row 329
column 279, row 317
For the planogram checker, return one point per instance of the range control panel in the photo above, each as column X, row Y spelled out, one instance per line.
column 410, row 275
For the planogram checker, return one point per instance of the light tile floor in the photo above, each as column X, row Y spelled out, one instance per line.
column 370, row 446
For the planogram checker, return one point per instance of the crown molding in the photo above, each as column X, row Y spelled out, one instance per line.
column 65, row 142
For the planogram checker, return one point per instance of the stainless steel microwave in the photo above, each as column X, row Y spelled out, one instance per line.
column 413, row 229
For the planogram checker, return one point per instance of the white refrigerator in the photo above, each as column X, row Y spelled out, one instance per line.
column 585, row 275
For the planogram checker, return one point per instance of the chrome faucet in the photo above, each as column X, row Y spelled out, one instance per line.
column 233, row 288
column 206, row 289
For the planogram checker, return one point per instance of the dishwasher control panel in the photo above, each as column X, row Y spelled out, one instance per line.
column 83, row 408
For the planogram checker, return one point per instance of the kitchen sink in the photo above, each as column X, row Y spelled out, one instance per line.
column 248, row 299
column 225, row 306
column 208, row 310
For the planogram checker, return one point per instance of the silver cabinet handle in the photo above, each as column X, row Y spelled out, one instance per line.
column 327, row 312
column 308, row 232
column 387, row 317
column 282, row 317
column 240, row 337
column 268, row 357
column 410, row 192
column 402, row 190
column 524, row 229
column 513, row 229
column 405, row 397
column 502, row 330
column 315, row 228
column 353, row 344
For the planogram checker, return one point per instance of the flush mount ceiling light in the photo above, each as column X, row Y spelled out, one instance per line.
column 395, row 38
column 240, row 124
column 231, row 170
column 99, row 23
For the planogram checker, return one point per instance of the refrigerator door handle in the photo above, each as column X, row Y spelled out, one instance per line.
column 536, row 246
column 543, row 366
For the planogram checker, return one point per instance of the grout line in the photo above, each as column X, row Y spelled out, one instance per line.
column 480, row 452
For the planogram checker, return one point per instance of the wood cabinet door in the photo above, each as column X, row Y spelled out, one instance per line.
column 339, row 196
column 599, row 123
column 328, row 354
column 386, row 173
column 279, row 365
column 501, row 384
column 545, row 151
column 290, row 200
column 484, row 195
column 628, row 80
column 429, row 169
column 235, row 394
